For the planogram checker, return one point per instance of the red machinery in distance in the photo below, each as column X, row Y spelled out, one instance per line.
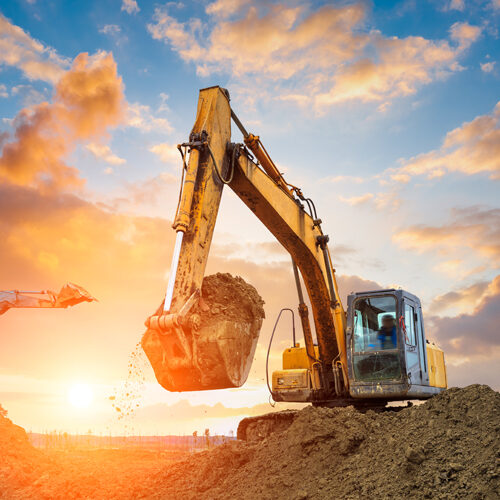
column 69, row 295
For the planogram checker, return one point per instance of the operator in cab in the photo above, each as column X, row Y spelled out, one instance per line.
column 387, row 335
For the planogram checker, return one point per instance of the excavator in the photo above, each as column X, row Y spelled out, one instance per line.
column 69, row 295
column 374, row 353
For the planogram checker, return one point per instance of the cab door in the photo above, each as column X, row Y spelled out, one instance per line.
column 408, row 323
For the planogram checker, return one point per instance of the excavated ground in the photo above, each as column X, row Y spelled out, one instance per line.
column 445, row 448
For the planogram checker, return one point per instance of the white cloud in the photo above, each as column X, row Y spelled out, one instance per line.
column 141, row 117
column 35, row 60
column 167, row 153
column 3, row 91
column 321, row 56
column 130, row 6
column 456, row 5
column 346, row 178
column 358, row 200
column 488, row 67
column 110, row 29
column 381, row 201
column 104, row 153
column 473, row 148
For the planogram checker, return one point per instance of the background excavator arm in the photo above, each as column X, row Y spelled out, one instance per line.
column 69, row 295
column 213, row 162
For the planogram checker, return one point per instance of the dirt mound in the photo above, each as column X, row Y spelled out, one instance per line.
column 447, row 447
column 17, row 457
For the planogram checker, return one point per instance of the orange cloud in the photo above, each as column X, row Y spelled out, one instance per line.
column 462, row 300
column 473, row 333
column 473, row 148
column 381, row 201
column 88, row 100
column 35, row 60
column 473, row 233
column 321, row 56
column 401, row 66
column 103, row 152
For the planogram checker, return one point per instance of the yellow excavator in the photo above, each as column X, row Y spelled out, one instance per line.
column 375, row 353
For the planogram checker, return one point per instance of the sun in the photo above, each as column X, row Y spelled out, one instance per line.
column 80, row 395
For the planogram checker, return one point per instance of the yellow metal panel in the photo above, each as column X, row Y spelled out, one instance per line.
column 296, row 358
column 436, row 367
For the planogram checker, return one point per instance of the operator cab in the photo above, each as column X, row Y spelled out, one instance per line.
column 387, row 351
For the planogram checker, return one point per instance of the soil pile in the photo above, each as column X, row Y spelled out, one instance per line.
column 447, row 447
column 17, row 457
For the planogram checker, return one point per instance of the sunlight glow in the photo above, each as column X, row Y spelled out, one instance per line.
column 80, row 395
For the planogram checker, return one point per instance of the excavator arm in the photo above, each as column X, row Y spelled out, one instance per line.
column 173, row 343
column 69, row 295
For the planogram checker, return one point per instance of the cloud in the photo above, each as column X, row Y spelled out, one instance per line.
column 130, row 6
column 167, row 153
column 473, row 333
column 104, row 153
column 381, row 201
column 3, row 91
column 110, row 29
column 30, row 96
column 456, row 5
column 473, row 234
column 35, row 60
column 322, row 56
column 88, row 100
column 141, row 117
column 462, row 300
column 346, row 178
column 473, row 148
column 487, row 67
column 149, row 192
column 358, row 200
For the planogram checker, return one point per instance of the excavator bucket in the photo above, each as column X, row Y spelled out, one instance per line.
column 72, row 294
column 210, row 343
column 213, row 357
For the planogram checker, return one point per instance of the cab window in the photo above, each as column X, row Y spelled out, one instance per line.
column 375, row 343
column 409, row 325
column 374, row 326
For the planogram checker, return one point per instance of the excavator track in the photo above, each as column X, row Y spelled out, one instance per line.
column 260, row 427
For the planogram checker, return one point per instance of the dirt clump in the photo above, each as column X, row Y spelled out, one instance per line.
column 228, row 297
column 447, row 447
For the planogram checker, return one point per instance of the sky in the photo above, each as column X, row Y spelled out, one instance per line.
column 386, row 114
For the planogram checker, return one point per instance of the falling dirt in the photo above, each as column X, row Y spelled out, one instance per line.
column 445, row 448
column 127, row 397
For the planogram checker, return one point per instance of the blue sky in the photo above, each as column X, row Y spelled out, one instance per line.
column 356, row 102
